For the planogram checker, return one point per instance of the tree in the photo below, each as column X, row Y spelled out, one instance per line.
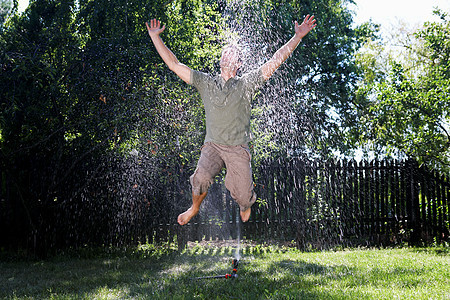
column 5, row 9
column 406, row 112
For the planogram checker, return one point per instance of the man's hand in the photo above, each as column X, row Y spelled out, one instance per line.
column 309, row 23
column 155, row 27
column 154, row 30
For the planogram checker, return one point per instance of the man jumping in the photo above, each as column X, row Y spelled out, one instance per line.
column 227, row 102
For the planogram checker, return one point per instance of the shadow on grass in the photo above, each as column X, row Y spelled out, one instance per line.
column 264, row 273
column 169, row 276
column 437, row 250
column 252, row 282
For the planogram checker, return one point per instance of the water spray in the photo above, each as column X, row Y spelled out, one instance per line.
column 235, row 260
column 226, row 276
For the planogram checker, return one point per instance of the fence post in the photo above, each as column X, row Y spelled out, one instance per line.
column 414, row 213
column 301, row 205
column 181, row 232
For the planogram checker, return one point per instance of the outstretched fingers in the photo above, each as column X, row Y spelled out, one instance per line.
column 310, row 21
column 306, row 19
column 154, row 26
column 308, row 24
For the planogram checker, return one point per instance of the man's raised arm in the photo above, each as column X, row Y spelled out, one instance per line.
column 154, row 30
column 284, row 52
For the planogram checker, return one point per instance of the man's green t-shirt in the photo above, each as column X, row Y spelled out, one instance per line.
column 227, row 105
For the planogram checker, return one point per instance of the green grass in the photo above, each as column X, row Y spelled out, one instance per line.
column 265, row 272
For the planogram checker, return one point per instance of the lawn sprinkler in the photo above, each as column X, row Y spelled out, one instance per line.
column 226, row 276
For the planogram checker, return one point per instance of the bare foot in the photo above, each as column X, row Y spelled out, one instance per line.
column 245, row 215
column 185, row 217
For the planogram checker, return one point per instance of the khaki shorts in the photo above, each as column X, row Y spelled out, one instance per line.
column 238, row 179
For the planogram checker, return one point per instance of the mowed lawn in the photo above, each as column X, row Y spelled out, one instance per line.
column 264, row 272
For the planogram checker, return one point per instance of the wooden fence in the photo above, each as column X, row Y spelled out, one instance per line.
column 316, row 204
column 333, row 203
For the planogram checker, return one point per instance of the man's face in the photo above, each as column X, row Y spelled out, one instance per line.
column 230, row 59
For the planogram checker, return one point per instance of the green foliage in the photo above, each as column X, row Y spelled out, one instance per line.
column 36, row 52
column 6, row 7
column 404, row 110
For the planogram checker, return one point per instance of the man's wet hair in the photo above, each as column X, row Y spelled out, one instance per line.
column 235, row 48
